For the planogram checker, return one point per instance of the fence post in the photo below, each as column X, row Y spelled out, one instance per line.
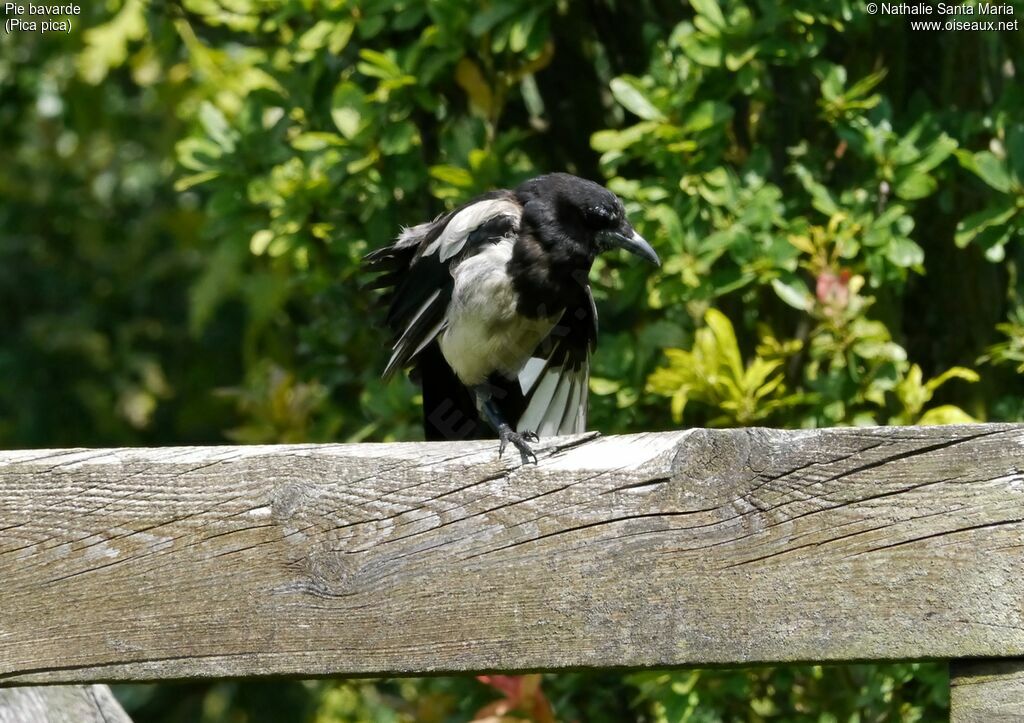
column 986, row 691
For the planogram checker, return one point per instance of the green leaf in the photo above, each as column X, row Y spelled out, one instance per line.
column 725, row 336
column 347, row 109
column 916, row 186
column 946, row 414
column 794, row 292
column 990, row 169
column 865, row 85
column 736, row 60
column 198, row 154
column 603, row 387
column 833, row 78
column 361, row 164
column 821, row 198
column 186, row 182
column 707, row 114
column 630, row 95
column 487, row 18
column 471, row 79
column 519, row 33
column 1015, row 152
column 968, row 375
column 993, row 241
column 452, row 174
column 106, row 46
column 995, row 215
column 340, row 36
column 316, row 37
column 398, row 138
column 904, row 253
column 710, row 10
column 701, row 48
column 880, row 350
column 532, row 98
column 315, row 141
column 378, row 65
column 347, row 121
column 370, row 27
column 604, row 141
column 216, row 126
column 755, row 377
column 260, row 241
column 935, row 154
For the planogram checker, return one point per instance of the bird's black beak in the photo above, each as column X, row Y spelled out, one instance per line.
column 627, row 238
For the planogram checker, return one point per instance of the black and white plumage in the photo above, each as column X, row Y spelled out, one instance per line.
column 491, row 306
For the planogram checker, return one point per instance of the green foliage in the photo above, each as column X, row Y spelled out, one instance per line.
column 189, row 187
column 910, row 693
column 1001, row 169
column 714, row 374
column 1009, row 350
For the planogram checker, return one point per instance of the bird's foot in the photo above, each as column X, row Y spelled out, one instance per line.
column 519, row 440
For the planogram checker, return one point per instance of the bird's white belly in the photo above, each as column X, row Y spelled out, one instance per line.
column 484, row 333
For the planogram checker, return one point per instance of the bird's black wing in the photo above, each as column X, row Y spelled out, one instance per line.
column 415, row 271
column 554, row 382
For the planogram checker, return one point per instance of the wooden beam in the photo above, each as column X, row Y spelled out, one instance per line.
column 679, row 548
column 986, row 691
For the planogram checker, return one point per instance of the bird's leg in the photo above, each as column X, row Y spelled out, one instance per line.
column 485, row 401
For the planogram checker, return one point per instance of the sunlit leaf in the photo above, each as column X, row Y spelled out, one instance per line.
column 630, row 95
column 995, row 215
column 710, row 10
column 794, row 292
column 469, row 76
column 946, row 414
column 989, row 168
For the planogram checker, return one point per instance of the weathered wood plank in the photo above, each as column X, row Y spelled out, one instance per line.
column 986, row 691
column 677, row 548
column 61, row 704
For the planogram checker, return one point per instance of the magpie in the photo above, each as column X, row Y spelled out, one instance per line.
column 490, row 305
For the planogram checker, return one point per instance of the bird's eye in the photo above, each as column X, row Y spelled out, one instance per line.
column 600, row 216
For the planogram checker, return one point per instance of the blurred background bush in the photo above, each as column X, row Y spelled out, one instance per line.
column 187, row 188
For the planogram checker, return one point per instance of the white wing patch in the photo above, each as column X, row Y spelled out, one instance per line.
column 412, row 235
column 423, row 309
column 558, row 398
column 453, row 238
column 530, row 373
column 574, row 416
column 400, row 348
column 557, row 394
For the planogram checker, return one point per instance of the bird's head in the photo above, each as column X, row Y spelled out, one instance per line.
column 577, row 217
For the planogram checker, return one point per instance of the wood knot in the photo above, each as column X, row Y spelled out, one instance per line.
column 716, row 460
column 288, row 500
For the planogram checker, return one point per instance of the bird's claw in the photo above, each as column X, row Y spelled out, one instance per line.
column 519, row 440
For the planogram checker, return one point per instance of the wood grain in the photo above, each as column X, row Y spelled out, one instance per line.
column 61, row 704
column 678, row 548
column 986, row 691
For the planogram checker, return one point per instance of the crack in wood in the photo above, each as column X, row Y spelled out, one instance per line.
column 820, row 543
column 942, row 533
column 642, row 484
column 919, row 451
column 577, row 528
